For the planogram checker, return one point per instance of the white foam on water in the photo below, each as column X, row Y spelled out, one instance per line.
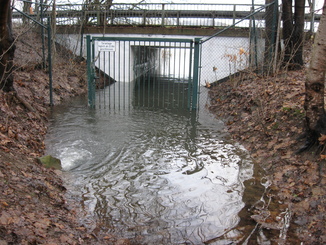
column 73, row 155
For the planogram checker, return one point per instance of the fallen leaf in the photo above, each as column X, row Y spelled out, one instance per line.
column 60, row 226
column 5, row 204
column 322, row 139
column 5, row 218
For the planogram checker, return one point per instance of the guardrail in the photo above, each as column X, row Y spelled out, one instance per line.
column 152, row 14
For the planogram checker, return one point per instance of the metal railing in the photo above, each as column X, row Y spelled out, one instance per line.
column 152, row 14
column 142, row 72
column 162, row 14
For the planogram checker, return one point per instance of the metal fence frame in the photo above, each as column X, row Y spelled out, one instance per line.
column 260, row 54
column 48, row 28
column 193, row 84
column 193, row 99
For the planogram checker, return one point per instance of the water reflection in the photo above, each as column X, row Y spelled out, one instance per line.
column 170, row 177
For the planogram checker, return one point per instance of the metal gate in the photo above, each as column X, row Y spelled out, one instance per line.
column 125, row 73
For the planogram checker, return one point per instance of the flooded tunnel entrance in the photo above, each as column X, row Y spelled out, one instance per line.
column 168, row 176
column 142, row 72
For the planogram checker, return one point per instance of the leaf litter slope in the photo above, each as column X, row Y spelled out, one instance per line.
column 33, row 202
column 266, row 115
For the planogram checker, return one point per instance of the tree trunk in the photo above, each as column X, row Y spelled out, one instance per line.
column 7, row 47
column 315, row 85
column 297, row 38
column 26, row 9
column 293, row 28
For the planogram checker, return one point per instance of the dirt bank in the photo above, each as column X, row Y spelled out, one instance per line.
column 33, row 208
column 266, row 115
column 263, row 114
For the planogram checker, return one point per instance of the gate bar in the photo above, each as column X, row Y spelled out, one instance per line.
column 193, row 68
column 195, row 75
column 142, row 39
column 90, row 74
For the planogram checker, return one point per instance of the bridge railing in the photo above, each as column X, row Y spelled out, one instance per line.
column 176, row 14
column 157, row 14
column 151, row 14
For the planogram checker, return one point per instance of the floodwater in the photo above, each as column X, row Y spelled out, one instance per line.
column 165, row 176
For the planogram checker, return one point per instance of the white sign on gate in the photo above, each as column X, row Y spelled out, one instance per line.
column 108, row 46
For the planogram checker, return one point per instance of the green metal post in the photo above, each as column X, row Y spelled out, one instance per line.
column 42, row 33
column 312, row 13
column 195, row 75
column 90, row 74
column 93, row 81
column 253, row 35
column 81, row 40
column 50, row 60
column 190, row 85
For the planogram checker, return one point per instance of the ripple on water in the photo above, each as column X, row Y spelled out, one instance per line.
column 163, row 176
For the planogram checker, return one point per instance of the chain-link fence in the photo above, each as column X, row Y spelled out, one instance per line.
column 39, row 33
column 38, row 56
column 245, row 47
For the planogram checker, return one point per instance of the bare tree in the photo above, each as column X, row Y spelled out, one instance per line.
column 293, row 28
column 7, row 47
column 315, row 86
column 26, row 9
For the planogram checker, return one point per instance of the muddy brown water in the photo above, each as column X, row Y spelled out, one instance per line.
column 167, row 176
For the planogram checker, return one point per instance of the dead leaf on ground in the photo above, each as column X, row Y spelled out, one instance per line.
column 322, row 139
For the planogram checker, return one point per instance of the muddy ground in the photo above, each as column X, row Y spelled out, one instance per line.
column 265, row 114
